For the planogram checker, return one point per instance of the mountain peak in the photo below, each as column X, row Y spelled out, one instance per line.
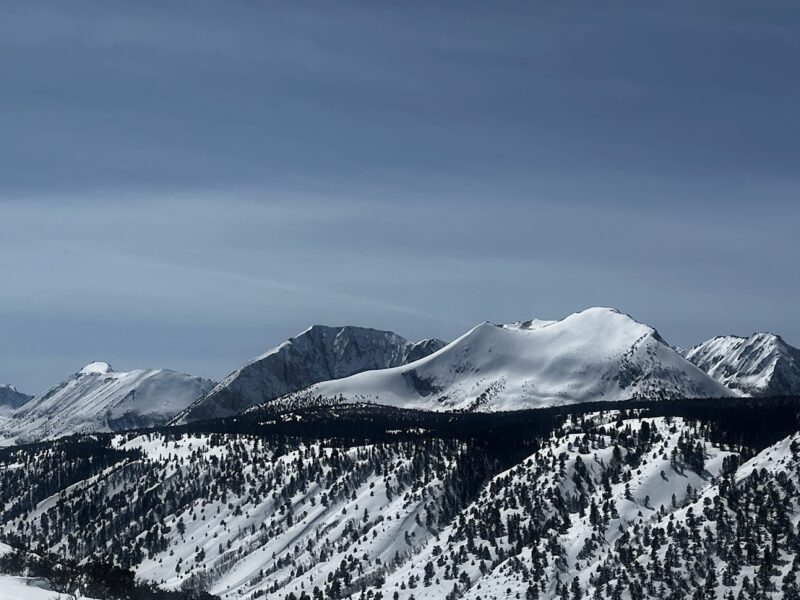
column 99, row 399
column 762, row 364
column 96, row 368
column 603, row 319
column 597, row 354
column 761, row 336
column 603, row 312
column 320, row 353
column 766, row 336
column 528, row 325
column 321, row 328
column 596, row 314
column 11, row 398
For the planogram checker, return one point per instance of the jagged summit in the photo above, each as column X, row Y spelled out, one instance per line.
column 762, row 364
column 319, row 353
column 595, row 354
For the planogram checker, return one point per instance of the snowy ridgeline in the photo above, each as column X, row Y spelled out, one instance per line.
column 97, row 398
column 598, row 354
column 319, row 353
column 760, row 365
column 594, row 355
column 606, row 507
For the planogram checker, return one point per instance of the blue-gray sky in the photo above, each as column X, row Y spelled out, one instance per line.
column 185, row 184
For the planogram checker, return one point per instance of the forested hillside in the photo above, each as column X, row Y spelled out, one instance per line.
column 635, row 502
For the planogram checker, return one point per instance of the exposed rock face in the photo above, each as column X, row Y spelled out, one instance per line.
column 318, row 354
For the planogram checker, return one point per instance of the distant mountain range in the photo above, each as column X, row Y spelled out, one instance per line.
column 595, row 354
column 320, row 353
column 360, row 465
column 760, row 365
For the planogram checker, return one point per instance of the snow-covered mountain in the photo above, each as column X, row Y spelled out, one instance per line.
column 663, row 514
column 603, row 505
column 320, row 353
column 760, row 365
column 596, row 354
column 11, row 399
column 349, row 495
column 97, row 398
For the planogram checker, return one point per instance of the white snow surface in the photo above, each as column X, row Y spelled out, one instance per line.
column 245, row 563
column 29, row 588
column 654, row 485
column 250, row 544
column 97, row 367
column 97, row 398
column 528, row 325
column 596, row 354
column 319, row 353
column 760, row 365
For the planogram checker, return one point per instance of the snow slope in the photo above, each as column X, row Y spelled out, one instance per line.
column 30, row 588
column 596, row 354
column 237, row 514
column 637, row 523
column 318, row 354
column 608, row 503
column 626, row 490
column 97, row 398
column 760, row 365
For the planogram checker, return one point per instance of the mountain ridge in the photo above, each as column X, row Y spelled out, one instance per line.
column 598, row 353
column 97, row 398
column 760, row 364
column 319, row 353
